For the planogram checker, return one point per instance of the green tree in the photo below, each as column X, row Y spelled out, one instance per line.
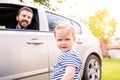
column 43, row 2
column 102, row 25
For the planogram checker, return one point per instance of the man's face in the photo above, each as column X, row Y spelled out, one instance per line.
column 24, row 18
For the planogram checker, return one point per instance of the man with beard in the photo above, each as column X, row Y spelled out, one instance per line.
column 24, row 18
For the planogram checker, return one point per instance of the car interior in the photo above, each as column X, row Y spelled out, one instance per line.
column 8, row 14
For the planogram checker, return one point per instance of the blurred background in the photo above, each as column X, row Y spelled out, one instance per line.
column 103, row 19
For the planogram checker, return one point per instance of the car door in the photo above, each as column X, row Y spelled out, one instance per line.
column 23, row 55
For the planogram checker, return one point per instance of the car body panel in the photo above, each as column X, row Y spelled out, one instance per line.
column 22, row 53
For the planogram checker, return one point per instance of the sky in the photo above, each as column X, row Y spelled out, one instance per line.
column 91, row 6
column 87, row 8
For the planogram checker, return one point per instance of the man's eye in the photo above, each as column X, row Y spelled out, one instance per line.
column 29, row 17
column 23, row 15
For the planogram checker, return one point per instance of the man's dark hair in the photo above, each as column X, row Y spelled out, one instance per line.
column 25, row 8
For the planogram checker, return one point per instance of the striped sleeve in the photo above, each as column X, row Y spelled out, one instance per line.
column 72, row 59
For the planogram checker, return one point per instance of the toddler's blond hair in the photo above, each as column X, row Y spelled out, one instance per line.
column 65, row 27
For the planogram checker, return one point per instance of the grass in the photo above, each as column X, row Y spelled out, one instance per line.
column 111, row 69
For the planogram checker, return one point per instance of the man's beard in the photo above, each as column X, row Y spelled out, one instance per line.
column 22, row 24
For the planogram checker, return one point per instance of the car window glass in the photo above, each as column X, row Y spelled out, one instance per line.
column 77, row 27
column 54, row 19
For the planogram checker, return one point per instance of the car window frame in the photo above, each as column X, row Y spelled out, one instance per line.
column 51, row 18
column 12, row 22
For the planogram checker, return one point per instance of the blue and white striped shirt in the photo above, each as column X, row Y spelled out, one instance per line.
column 67, row 58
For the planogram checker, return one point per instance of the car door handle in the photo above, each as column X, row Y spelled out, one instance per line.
column 35, row 41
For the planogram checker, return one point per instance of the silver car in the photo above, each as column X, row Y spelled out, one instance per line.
column 29, row 54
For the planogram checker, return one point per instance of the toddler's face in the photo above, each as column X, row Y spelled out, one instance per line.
column 64, row 40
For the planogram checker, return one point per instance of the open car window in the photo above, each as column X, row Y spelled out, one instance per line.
column 8, row 14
